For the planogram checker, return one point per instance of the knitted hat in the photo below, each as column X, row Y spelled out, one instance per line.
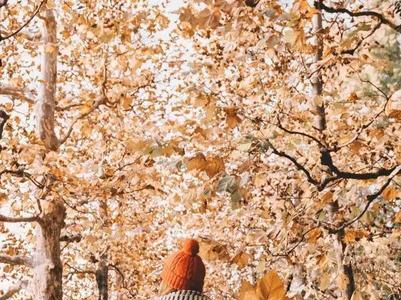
column 185, row 270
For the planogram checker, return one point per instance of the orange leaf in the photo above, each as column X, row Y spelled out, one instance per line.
column 126, row 102
column 356, row 147
column 397, row 218
column 212, row 250
column 390, row 194
column 247, row 292
column 314, row 235
column 232, row 118
column 352, row 235
column 214, row 166
column 197, row 163
column 353, row 97
column 395, row 114
column 242, row 259
column 271, row 287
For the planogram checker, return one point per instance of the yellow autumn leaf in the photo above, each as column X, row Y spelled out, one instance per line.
column 211, row 250
column 162, row 20
column 242, row 259
column 137, row 145
column 342, row 281
column 247, row 292
column 270, row 287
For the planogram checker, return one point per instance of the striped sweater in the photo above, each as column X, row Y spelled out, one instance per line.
column 183, row 295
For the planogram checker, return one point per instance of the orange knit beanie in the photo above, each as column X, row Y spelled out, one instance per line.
column 185, row 270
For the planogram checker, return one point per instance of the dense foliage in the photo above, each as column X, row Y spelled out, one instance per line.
column 269, row 130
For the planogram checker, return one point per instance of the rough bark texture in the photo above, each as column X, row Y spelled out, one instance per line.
column 47, row 265
column 46, row 102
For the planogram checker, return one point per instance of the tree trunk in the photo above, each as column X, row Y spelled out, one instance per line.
column 317, row 91
column 46, row 103
column 102, row 278
column 317, row 81
column 344, row 269
column 102, row 271
column 47, row 265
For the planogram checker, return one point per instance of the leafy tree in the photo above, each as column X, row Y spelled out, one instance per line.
column 126, row 125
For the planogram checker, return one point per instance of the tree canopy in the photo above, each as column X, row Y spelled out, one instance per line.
column 269, row 130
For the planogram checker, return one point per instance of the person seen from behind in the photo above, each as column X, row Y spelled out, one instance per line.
column 183, row 275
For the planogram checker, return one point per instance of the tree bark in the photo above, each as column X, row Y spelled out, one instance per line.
column 47, row 265
column 46, row 103
column 317, row 81
column 344, row 268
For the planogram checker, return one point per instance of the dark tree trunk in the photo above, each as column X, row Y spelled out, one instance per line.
column 102, row 278
column 47, row 265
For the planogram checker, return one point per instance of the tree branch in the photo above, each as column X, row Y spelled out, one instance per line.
column 19, row 219
column 14, row 289
column 22, row 173
column 370, row 199
column 279, row 125
column 82, row 116
column 3, row 3
column 352, row 50
column 78, row 271
column 102, row 100
column 71, row 238
column 124, row 284
column 16, row 260
column 17, row 93
column 2, row 38
column 296, row 163
column 327, row 160
column 342, row 10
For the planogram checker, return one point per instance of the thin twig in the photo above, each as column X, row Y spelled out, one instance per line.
column 102, row 100
column 2, row 38
column 352, row 50
column 370, row 199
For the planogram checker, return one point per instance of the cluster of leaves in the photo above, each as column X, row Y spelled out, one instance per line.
column 208, row 129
